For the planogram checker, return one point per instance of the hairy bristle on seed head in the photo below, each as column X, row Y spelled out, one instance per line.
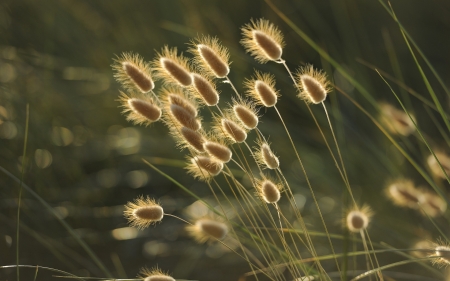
column 180, row 100
column 210, row 56
column 266, row 157
column 171, row 68
column 184, row 117
column 261, row 88
column 143, row 212
column 262, row 40
column 233, row 131
column 205, row 90
column 133, row 73
column 208, row 230
column 193, row 138
column 246, row 113
column 435, row 168
column 269, row 191
column 218, row 151
column 154, row 274
column 313, row 85
column 442, row 254
column 139, row 110
column 403, row 193
column 396, row 121
column 358, row 220
column 204, row 167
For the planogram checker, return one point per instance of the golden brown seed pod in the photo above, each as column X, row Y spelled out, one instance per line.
column 442, row 254
column 435, row 168
column 133, row 73
column 204, row 90
column 175, row 95
column 233, row 131
column 246, row 113
column 154, row 274
column 396, row 121
column 218, row 150
column 183, row 117
column 207, row 229
column 432, row 204
column 173, row 69
column 262, row 40
column 139, row 110
column 269, row 191
column 143, row 212
column 261, row 88
column 204, row 167
column 313, row 85
column 358, row 220
column 210, row 56
column 403, row 193
column 188, row 138
column 265, row 156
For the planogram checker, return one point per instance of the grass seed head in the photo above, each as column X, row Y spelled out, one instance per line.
column 211, row 57
column 442, row 254
column 269, row 191
column 204, row 167
column 432, row 204
column 154, row 274
column 246, row 113
column 396, row 121
column 133, row 73
column 173, row 69
column 206, row 229
column 139, row 110
column 435, row 168
column 184, row 117
column 143, row 212
column 262, row 40
column 217, row 150
column 358, row 220
column 233, row 131
column 261, row 88
column 403, row 193
column 181, row 100
column 313, row 85
column 205, row 90
column 193, row 139
column 266, row 157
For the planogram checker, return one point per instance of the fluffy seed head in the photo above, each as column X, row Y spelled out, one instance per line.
column 266, row 157
column 133, row 73
column 269, row 191
column 218, row 151
column 432, row 204
column 246, row 113
column 184, row 117
column 205, row 90
column 139, row 110
column 154, row 274
column 210, row 56
column 180, row 100
column 358, row 220
column 444, row 159
column 403, row 193
column 396, row 121
column 143, row 212
column 313, row 85
column 208, row 230
column 262, row 40
column 193, row 138
column 261, row 88
column 204, row 167
column 233, row 131
column 173, row 69
column 442, row 254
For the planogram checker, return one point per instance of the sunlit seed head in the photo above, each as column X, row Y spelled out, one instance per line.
column 403, row 193
column 424, row 247
column 432, row 204
column 184, row 117
column 396, row 121
column 205, row 90
column 210, row 56
column 204, row 167
column 269, row 191
column 193, row 138
column 233, row 131
column 313, row 85
column 208, row 230
column 262, row 40
column 442, row 254
column 154, row 274
column 435, row 168
column 358, row 220
column 218, row 151
column 139, row 110
column 183, row 102
column 172, row 68
column 261, row 88
column 143, row 212
column 246, row 114
column 133, row 73
column 267, row 157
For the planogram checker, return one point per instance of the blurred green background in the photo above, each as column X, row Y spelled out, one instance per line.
column 85, row 160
